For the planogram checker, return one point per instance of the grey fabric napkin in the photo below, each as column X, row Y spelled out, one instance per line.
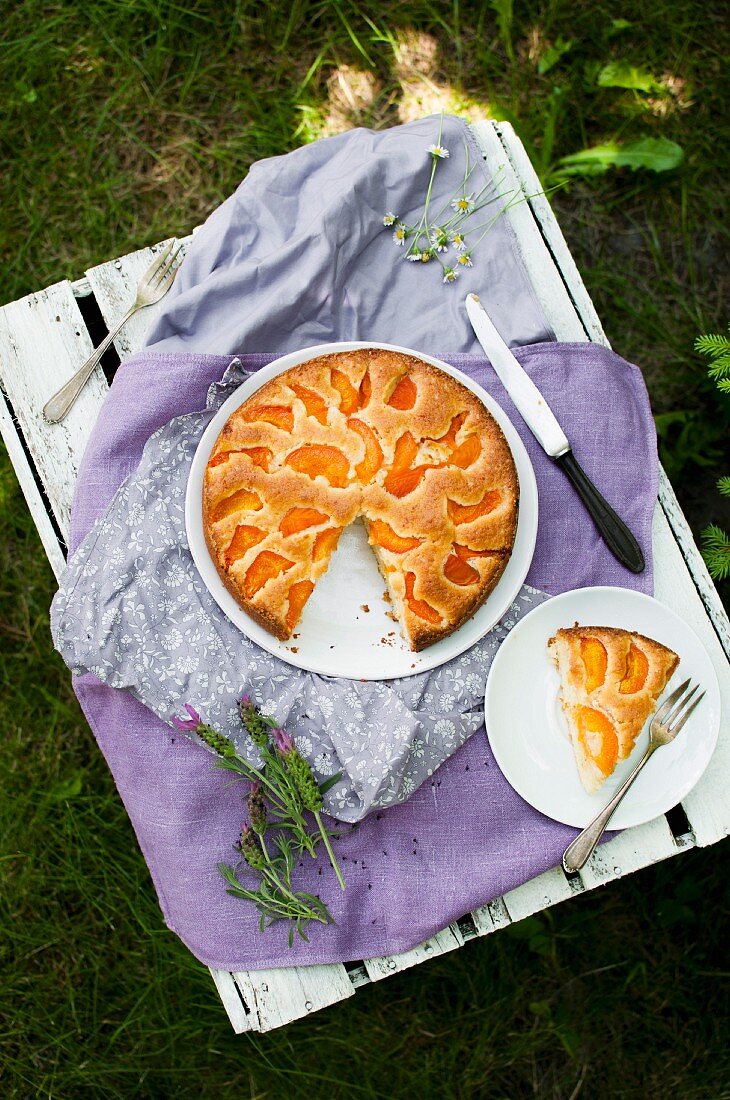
column 133, row 611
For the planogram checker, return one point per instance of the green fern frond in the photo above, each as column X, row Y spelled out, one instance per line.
column 724, row 385
column 716, row 552
column 712, row 344
column 723, row 485
column 720, row 367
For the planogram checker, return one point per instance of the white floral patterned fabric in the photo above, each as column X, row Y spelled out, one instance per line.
column 133, row 611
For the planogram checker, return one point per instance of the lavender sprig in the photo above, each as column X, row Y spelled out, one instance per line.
column 309, row 792
column 284, row 787
column 275, row 897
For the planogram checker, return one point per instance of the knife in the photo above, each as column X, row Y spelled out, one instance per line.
column 540, row 419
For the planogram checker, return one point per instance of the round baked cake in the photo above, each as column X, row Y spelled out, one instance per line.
column 374, row 434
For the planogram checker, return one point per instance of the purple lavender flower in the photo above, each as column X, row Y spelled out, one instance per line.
column 257, row 809
column 284, row 741
column 250, row 848
column 245, row 701
column 188, row 725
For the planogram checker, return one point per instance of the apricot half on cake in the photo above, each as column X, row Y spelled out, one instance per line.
column 610, row 681
column 371, row 434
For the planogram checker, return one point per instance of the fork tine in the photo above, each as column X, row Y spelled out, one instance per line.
column 170, row 265
column 164, row 270
column 676, row 710
column 677, row 725
column 669, row 703
column 158, row 261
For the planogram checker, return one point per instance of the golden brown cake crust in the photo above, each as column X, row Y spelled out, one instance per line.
column 374, row 434
column 608, row 675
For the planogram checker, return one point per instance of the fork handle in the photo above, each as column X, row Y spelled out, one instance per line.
column 576, row 855
column 58, row 406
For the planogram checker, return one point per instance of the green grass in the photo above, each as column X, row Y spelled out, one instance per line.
column 127, row 120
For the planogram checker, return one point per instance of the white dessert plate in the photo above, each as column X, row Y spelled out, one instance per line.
column 528, row 734
column 345, row 629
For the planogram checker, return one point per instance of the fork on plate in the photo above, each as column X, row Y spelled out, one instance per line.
column 665, row 725
column 154, row 285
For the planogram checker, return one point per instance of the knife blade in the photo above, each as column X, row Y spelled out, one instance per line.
column 541, row 421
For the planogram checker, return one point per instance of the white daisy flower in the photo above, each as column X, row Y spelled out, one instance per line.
column 465, row 259
column 438, row 151
column 426, row 255
column 414, row 257
column 450, row 275
column 464, row 205
column 390, row 219
column 440, row 239
column 400, row 234
column 458, row 242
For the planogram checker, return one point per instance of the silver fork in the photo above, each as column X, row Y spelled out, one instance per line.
column 154, row 284
column 665, row 726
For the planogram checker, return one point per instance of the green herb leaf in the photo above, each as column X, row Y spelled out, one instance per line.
column 655, row 154
column 553, row 53
column 622, row 74
column 329, row 783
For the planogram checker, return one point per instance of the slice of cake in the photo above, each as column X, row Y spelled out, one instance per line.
column 610, row 681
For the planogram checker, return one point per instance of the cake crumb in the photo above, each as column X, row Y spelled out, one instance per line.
column 386, row 596
column 293, row 648
column 364, row 607
column 392, row 616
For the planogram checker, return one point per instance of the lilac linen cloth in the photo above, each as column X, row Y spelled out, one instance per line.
column 465, row 836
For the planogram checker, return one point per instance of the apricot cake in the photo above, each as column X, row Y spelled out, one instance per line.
column 369, row 433
column 610, row 680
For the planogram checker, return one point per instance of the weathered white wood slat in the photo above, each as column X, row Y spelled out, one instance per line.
column 491, row 917
column 448, row 939
column 552, row 233
column 628, row 852
column 114, row 285
column 684, row 539
column 36, row 504
column 707, row 806
column 241, row 1017
column 276, row 997
column 547, row 284
column 43, row 341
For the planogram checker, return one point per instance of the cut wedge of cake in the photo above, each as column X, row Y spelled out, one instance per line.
column 610, row 681
column 370, row 433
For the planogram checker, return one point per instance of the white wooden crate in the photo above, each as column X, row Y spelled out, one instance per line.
column 43, row 339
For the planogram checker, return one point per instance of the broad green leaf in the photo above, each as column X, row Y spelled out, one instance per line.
column 622, row 74
column 553, row 54
column 656, row 154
